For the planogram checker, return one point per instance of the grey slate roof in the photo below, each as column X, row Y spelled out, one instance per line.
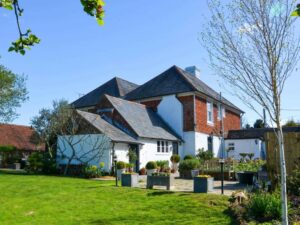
column 173, row 81
column 145, row 122
column 254, row 133
column 106, row 128
column 115, row 87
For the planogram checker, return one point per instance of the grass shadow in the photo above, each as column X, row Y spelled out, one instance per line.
column 159, row 193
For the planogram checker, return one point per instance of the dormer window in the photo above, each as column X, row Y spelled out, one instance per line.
column 210, row 114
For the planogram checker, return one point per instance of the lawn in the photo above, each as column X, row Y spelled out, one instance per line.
column 43, row 200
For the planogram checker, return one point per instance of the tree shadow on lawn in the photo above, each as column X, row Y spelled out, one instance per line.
column 159, row 193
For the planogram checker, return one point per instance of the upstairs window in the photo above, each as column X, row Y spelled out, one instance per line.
column 210, row 116
column 219, row 111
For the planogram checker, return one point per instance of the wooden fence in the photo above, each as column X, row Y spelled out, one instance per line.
column 292, row 153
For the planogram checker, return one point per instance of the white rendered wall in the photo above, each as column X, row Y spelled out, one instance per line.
column 148, row 152
column 88, row 142
column 244, row 146
column 170, row 109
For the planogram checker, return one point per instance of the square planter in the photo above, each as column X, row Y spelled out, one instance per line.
column 160, row 181
column 130, row 180
column 246, row 177
column 203, row 185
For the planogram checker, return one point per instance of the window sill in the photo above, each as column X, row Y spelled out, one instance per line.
column 210, row 123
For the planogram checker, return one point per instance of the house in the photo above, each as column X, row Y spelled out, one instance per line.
column 175, row 112
column 252, row 141
column 17, row 143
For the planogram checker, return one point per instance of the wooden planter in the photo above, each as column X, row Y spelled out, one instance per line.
column 130, row 180
column 203, row 185
column 160, row 181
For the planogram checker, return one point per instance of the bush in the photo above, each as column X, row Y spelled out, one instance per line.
column 204, row 155
column 151, row 165
column 121, row 165
column 175, row 158
column 293, row 182
column 36, row 162
column 189, row 164
column 252, row 166
column 188, row 157
column 264, row 206
column 91, row 171
column 162, row 164
column 143, row 171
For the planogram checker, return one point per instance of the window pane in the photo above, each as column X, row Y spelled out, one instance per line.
column 167, row 146
column 162, row 146
column 158, row 146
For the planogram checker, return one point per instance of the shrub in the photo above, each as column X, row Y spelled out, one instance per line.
column 293, row 182
column 143, row 171
column 151, row 165
column 101, row 165
column 189, row 164
column 252, row 166
column 188, row 157
column 175, row 158
column 121, row 165
column 36, row 163
column 204, row 155
column 91, row 171
column 162, row 164
column 264, row 206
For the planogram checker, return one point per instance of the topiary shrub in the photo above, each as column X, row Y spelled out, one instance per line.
column 189, row 164
column 121, row 165
column 151, row 165
column 175, row 158
column 188, row 157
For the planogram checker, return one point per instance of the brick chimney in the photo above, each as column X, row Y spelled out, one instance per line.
column 193, row 70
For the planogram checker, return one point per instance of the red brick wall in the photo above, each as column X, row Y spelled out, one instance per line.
column 151, row 104
column 231, row 120
column 188, row 112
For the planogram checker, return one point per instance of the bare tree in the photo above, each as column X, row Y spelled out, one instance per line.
column 252, row 45
column 78, row 141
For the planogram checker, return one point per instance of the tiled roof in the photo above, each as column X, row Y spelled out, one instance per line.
column 115, row 87
column 144, row 122
column 254, row 133
column 174, row 81
column 21, row 137
column 106, row 128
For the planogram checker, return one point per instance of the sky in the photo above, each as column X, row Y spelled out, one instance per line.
column 140, row 39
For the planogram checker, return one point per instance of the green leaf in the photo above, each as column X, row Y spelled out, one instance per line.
column 9, row 7
column 11, row 49
column 100, row 22
column 296, row 12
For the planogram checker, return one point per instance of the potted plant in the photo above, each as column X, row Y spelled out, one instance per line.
column 129, row 167
column 203, row 184
column 121, row 168
column 160, row 179
column 162, row 165
column 151, row 167
column 187, row 166
column 175, row 159
column 130, row 179
column 247, row 170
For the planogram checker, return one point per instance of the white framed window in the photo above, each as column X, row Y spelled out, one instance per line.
column 210, row 112
column 163, row 147
column 231, row 146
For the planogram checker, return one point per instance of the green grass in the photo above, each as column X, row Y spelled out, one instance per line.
column 43, row 200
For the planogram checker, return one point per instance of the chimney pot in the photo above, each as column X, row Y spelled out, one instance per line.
column 193, row 70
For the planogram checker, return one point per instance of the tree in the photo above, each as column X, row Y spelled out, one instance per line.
column 27, row 39
column 252, row 45
column 61, row 128
column 296, row 12
column 259, row 124
column 291, row 123
column 13, row 92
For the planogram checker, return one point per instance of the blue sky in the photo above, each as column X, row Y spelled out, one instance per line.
column 139, row 40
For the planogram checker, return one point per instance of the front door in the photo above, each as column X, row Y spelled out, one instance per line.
column 134, row 157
